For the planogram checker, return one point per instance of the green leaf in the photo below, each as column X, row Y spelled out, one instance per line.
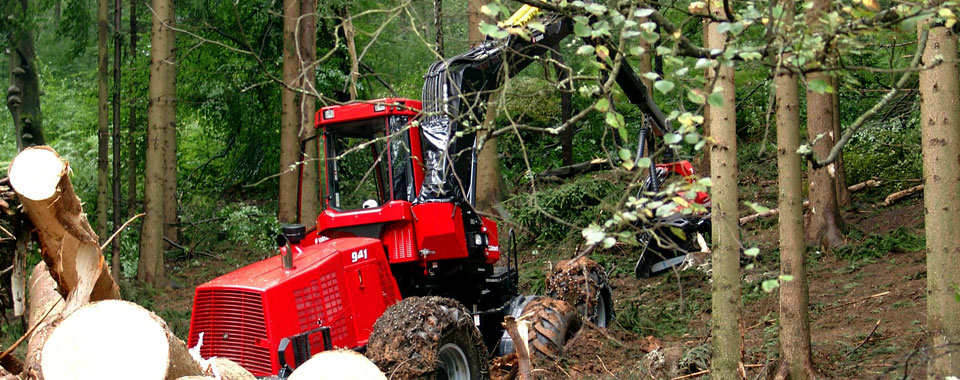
column 602, row 105
column 750, row 55
column 537, row 25
column 769, row 285
column 581, row 29
column 593, row 233
column 715, row 99
column 615, row 120
column 643, row 12
column 695, row 97
column 585, row 50
column 785, row 278
column 493, row 31
column 624, row 154
column 752, row 252
column 597, row 9
column 663, row 86
column 820, row 86
column 672, row 138
column 757, row 208
column 644, row 162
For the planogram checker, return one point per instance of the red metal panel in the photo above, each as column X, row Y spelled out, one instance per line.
column 439, row 230
column 389, row 212
column 366, row 110
column 234, row 327
column 398, row 240
column 492, row 253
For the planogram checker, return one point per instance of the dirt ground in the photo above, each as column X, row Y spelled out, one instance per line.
column 867, row 315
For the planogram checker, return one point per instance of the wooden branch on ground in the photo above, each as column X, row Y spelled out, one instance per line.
column 772, row 212
column 68, row 245
column 575, row 169
column 893, row 198
column 520, row 346
column 857, row 300
column 864, row 339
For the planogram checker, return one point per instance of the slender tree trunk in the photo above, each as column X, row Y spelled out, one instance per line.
column 939, row 112
column 843, row 194
column 103, row 120
column 131, row 136
column 289, row 116
column 703, row 163
column 350, row 35
column 794, row 318
column 725, row 321
column 171, row 213
column 823, row 221
column 117, row 49
column 566, row 109
column 23, row 96
column 309, row 183
column 438, row 25
column 160, row 116
column 489, row 178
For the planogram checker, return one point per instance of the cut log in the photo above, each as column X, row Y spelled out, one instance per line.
column 226, row 369
column 115, row 340
column 44, row 301
column 519, row 331
column 773, row 212
column 338, row 365
column 893, row 198
column 39, row 177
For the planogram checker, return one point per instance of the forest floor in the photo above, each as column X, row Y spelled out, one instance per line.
column 850, row 294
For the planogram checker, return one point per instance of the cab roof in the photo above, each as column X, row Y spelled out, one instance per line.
column 368, row 109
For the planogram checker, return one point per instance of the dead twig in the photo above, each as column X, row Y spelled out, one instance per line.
column 864, row 339
column 857, row 300
column 117, row 232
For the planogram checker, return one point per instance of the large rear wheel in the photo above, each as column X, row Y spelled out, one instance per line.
column 428, row 338
column 552, row 322
column 582, row 282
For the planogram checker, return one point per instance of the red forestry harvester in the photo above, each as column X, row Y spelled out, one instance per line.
column 400, row 264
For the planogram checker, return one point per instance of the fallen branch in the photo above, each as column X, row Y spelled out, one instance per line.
column 575, row 169
column 857, row 300
column 773, row 212
column 865, row 339
column 520, row 346
column 117, row 232
column 890, row 199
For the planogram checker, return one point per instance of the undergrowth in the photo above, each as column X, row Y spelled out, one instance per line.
column 877, row 245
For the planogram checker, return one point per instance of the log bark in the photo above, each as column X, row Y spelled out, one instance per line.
column 893, row 198
column 115, row 340
column 338, row 365
column 523, row 351
column 852, row 188
column 221, row 368
column 68, row 245
column 46, row 305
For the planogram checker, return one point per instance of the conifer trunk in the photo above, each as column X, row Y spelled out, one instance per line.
column 843, row 194
column 160, row 117
column 117, row 49
column 131, row 139
column 103, row 120
column 490, row 184
column 794, row 318
column 725, row 321
column 823, row 221
column 23, row 95
column 309, row 183
column 289, row 116
column 939, row 112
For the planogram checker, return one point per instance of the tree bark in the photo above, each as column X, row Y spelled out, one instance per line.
column 23, row 96
column 823, row 221
column 702, row 164
column 939, row 112
column 46, row 305
column 350, row 34
column 112, row 339
column 566, row 109
column 117, row 49
column 438, row 25
column 725, row 321
column 474, row 16
column 490, row 183
column 131, row 138
column 161, row 115
column 843, row 194
column 309, row 182
column 103, row 120
column 794, row 319
column 289, row 116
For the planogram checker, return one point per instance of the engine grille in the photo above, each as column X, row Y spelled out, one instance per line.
column 233, row 325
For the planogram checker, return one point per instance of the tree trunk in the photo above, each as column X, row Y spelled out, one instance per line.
column 794, row 319
column 23, row 96
column 474, row 16
column 309, row 182
column 701, row 164
column 438, row 25
column 67, row 243
column 350, row 35
column 490, row 184
column 160, row 116
column 289, row 116
column 939, row 111
column 823, row 221
column 103, row 120
column 170, row 212
column 725, row 324
column 131, row 138
column 566, row 108
column 117, row 49
column 113, row 339
column 843, row 194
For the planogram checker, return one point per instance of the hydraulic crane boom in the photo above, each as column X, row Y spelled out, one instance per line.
column 456, row 90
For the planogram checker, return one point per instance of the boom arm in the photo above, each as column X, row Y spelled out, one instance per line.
column 456, row 90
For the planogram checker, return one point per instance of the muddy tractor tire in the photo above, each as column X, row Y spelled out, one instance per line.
column 582, row 282
column 428, row 338
column 552, row 323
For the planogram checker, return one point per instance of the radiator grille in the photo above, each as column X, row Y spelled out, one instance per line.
column 401, row 239
column 234, row 328
column 332, row 305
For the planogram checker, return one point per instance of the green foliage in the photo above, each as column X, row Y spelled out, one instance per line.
column 878, row 245
column 249, row 226
column 663, row 317
column 889, row 152
column 580, row 202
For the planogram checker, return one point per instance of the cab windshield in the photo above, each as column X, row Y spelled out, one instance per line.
column 368, row 163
